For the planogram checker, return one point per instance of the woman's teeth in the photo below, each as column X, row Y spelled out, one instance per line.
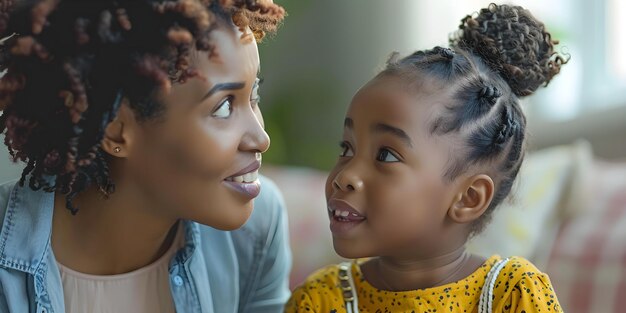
column 245, row 178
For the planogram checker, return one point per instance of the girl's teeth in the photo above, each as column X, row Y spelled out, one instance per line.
column 238, row 179
column 339, row 213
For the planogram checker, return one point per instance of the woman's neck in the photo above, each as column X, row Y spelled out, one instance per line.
column 402, row 274
column 109, row 236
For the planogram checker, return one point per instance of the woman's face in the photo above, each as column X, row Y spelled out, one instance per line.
column 200, row 160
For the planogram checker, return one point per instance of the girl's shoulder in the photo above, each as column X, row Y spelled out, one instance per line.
column 322, row 281
column 521, row 285
column 320, row 291
column 519, row 270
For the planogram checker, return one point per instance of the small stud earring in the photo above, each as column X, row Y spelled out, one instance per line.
column 117, row 149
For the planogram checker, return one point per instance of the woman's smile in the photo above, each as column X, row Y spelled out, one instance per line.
column 246, row 181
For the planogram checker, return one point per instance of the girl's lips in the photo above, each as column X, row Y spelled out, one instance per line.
column 341, row 208
column 342, row 227
column 343, row 217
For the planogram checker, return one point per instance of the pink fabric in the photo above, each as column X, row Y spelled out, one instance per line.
column 588, row 262
column 144, row 290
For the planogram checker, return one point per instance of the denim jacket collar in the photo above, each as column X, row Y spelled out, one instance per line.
column 27, row 226
column 25, row 232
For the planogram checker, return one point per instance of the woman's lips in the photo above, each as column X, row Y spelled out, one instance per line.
column 250, row 190
column 246, row 181
column 254, row 166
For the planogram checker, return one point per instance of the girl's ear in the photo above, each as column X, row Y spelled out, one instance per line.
column 473, row 199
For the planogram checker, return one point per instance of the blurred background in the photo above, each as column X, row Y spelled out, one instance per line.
column 327, row 49
column 569, row 216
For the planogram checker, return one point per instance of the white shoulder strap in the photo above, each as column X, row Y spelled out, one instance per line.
column 347, row 286
column 485, row 304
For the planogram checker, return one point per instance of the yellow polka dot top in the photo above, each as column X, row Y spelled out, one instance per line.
column 519, row 288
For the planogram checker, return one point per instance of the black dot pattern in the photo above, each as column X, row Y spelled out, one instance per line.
column 520, row 287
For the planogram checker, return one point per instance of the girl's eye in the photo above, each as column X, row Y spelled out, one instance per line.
column 346, row 151
column 384, row 155
column 224, row 109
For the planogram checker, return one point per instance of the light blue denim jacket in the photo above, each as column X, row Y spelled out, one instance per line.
column 216, row 271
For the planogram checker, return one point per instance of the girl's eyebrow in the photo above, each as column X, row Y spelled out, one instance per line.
column 395, row 131
column 384, row 128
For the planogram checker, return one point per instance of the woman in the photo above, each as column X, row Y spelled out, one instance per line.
column 139, row 125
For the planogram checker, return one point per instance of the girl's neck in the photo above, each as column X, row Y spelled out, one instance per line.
column 395, row 274
column 109, row 236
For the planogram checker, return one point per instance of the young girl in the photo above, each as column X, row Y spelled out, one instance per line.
column 140, row 128
column 431, row 146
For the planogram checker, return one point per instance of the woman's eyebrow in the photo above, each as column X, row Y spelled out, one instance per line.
column 224, row 86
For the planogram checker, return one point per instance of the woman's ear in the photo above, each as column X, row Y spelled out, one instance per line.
column 472, row 200
column 120, row 133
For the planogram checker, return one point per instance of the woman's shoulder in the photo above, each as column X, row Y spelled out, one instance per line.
column 5, row 190
column 5, row 195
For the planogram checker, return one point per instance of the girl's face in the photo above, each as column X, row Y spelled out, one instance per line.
column 387, row 195
column 200, row 160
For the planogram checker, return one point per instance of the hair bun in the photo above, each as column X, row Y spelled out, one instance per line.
column 511, row 41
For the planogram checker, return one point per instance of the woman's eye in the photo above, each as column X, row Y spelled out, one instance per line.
column 384, row 155
column 346, row 151
column 224, row 109
column 255, row 101
column 254, row 96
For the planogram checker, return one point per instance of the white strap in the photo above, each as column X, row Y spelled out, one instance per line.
column 352, row 303
column 485, row 304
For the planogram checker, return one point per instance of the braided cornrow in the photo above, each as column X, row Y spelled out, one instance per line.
column 497, row 57
column 70, row 63
column 490, row 94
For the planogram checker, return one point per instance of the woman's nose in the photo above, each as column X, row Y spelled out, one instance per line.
column 255, row 138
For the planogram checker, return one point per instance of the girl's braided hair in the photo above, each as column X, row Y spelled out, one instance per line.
column 497, row 56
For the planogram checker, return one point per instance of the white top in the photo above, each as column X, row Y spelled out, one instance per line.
column 141, row 291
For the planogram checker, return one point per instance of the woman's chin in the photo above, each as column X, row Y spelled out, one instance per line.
column 230, row 218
